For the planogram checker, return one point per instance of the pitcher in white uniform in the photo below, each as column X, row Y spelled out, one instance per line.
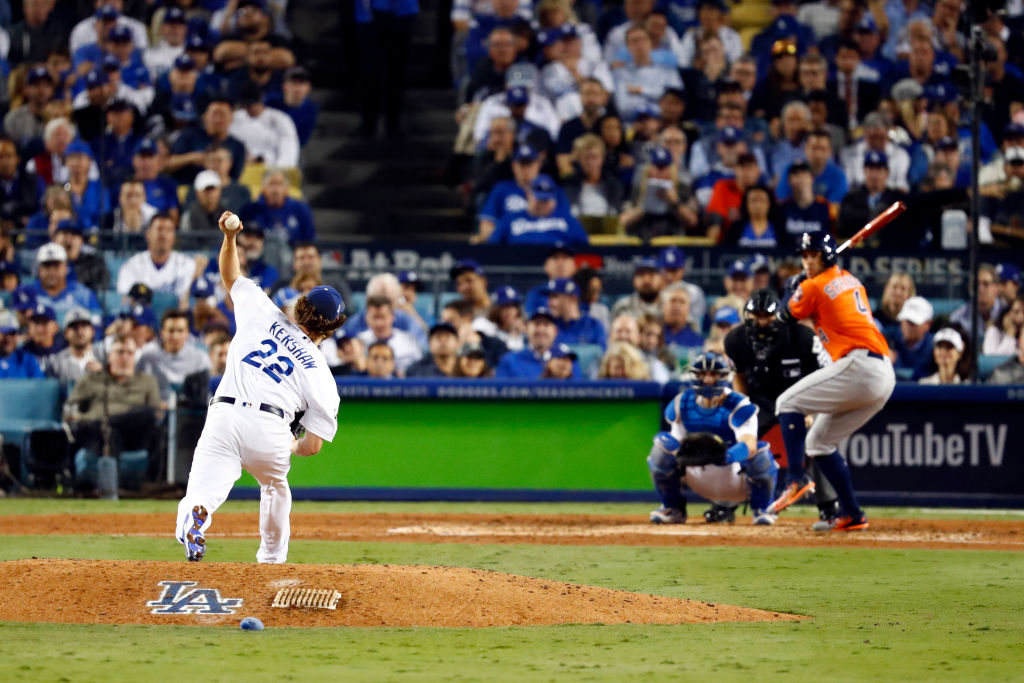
column 274, row 372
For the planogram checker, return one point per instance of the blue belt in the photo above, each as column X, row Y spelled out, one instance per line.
column 872, row 354
column 265, row 407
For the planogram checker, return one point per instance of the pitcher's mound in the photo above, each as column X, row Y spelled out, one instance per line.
column 136, row 592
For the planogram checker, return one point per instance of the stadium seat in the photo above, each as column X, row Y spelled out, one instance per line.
column 747, row 36
column 747, row 15
column 27, row 406
column 988, row 362
column 589, row 358
column 945, row 306
column 615, row 241
column 5, row 299
column 114, row 262
column 358, row 302
column 163, row 301
column 681, row 241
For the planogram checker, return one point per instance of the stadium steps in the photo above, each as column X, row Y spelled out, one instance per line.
column 362, row 190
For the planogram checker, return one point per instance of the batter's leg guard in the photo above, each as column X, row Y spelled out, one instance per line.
column 834, row 468
column 761, row 471
column 665, row 472
column 794, row 435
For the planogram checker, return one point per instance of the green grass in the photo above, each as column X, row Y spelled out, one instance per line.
column 877, row 615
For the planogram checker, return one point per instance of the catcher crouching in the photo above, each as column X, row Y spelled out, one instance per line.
column 712, row 448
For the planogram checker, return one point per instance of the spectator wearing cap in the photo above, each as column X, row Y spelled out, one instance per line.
column 993, row 175
column 509, row 196
column 85, row 264
column 950, row 359
column 828, row 178
column 1004, row 204
column 235, row 195
column 912, row 345
column 380, row 321
column 201, row 216
column 160, row 267
column 474, row 328
column 161, row 190
column 471, row 284
column 1001, row 338
column 712, row 20
column 53, row 288
column 282, row 218
column 268, row 134
column 89, row 198
column 560, row 262
column 411, row 286
column 537, row 122
column 560, row 363
column 1009, row 278
column 26, row 123
column 594, row 97
column 136, row 320
column 545, row 220
column 594, row 191
column 672, row 265
column 573, row 326
column 443, row 344
column 644, row 130
column 726, row 143
column 472, row 362
column 175, row 357
column 501, row 15
column 80, row 356
column 177, row 94
column 642, row 81
column 44, row 340
column 781, row 82
column 108, row 13
column 784, row 26
column 661, row 203
column 990, row 305
column 10, row 278
column 160, row 58
column 188, row 153
column 739, row 285
column 869, row 199
column 23, row 300
column 530, row 362
column 507, row 316
column 947, row 153
column 89, row 105
column 578, row 59
column 117, row 145
column 15, row 363
column 725, row 319
column 114, row 52
column 757, row 224
column 294, row 100
column 246, row 22
column 647, row 285
column 19, row 190
column 351, row 356
column 726, row 204
column 491, row 70
column 803, row 211
column 876, row 137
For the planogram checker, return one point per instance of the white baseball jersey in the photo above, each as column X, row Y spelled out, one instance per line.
column 175, row 276
column 271, row 360
column 271, row 136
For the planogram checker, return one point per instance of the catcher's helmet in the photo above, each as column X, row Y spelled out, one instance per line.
column 709, row 362
column 818, row 241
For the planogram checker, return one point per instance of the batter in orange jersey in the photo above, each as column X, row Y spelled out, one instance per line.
column 842, row 396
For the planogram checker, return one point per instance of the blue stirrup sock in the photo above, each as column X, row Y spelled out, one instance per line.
column 835, row 470
column 794, row 434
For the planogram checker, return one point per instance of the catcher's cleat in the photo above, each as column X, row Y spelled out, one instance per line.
column 720, row 514
column 764, row 518
column 195, row 542
column 667, row 516
column 851, row 523
column 793, row 492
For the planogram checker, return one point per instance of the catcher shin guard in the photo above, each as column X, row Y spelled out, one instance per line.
column 665, row 473
column 761, row 470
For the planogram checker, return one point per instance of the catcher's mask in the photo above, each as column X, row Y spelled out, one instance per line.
column 710, row 374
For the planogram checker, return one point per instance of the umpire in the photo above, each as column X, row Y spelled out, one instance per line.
column 768, row 358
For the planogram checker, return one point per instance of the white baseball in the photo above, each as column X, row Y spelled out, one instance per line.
column 232, row 222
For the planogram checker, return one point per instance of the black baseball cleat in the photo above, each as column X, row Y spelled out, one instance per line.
column 195, row 542
column 720, row 514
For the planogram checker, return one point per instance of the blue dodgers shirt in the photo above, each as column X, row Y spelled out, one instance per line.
column 293, row 220
column 20, row 365
column 831, row 184
column 74, row 295
column 522, row 228
column 526, row 364
column 583, row 330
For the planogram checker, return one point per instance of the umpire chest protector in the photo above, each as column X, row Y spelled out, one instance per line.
column 771, row 363
column 696, row 418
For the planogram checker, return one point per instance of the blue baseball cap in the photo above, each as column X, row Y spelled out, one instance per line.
column 466, row 265
column 661, row 157
column 120, row 34
column 543, row 188
column 940, row 92
column 110, row 63
column 726, row 315
column 202, row 287
column 119, row 104
column 525, row 153
column 410, row 277
column 23, row 298
column 875, row 158
column 867, row 24
column 542, row 312
column 95, row 78
column 786, row 25
column 70, row 225
column 174, row 15
column 40, row 73
column 107, row 13
column 139, row 314
column 1007, row 272
column 947, row 142
column 645, row 264
column 78, row 146
column 549, row 37
column 568, row 31
column 740, row 268
column 1013, row 130
column 8, row 323
column 517, row 96
column 43, row 310
column 758, row 263
column 184, row 62
column 146, row 147
column 196, row 42
column 506, row 296
column 647, row 110
column 560, row 351
column 443, row 327
column 327, row 302
column 183, row 107
column 563, row 285
column 672, row 258
column 8, row 267
column 730, row 135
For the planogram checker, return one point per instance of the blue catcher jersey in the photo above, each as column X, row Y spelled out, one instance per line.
column 697, row 419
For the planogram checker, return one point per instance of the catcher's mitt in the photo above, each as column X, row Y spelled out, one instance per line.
column 298, row 431
column 701, row 448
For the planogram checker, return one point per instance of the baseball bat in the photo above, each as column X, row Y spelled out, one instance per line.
column 877, row 223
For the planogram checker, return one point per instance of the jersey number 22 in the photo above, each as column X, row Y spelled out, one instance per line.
column 277, row 370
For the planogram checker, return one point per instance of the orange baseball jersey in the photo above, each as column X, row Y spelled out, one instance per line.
column 837, row 303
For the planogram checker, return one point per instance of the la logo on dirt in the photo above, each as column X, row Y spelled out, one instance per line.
column 180, row 597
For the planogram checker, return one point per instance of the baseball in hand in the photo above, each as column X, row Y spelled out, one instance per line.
column 232, row 223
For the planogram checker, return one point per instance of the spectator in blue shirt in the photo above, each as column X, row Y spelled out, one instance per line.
column 803, row 212
column 15, row 363
column 573, row 326
column 560, row 262
column 115, row 147
column 541, row 331
column 279, row 215
column 543, row 222
column 188, row 153
column 44, row 338
column 912, row 344
column 509, row 196
column 89, row 198
column 784, row 27
column 675, row 310
column 53, row 289
column 829, row 180
column 161, row 190
column 560, row 363
column 294, row 100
